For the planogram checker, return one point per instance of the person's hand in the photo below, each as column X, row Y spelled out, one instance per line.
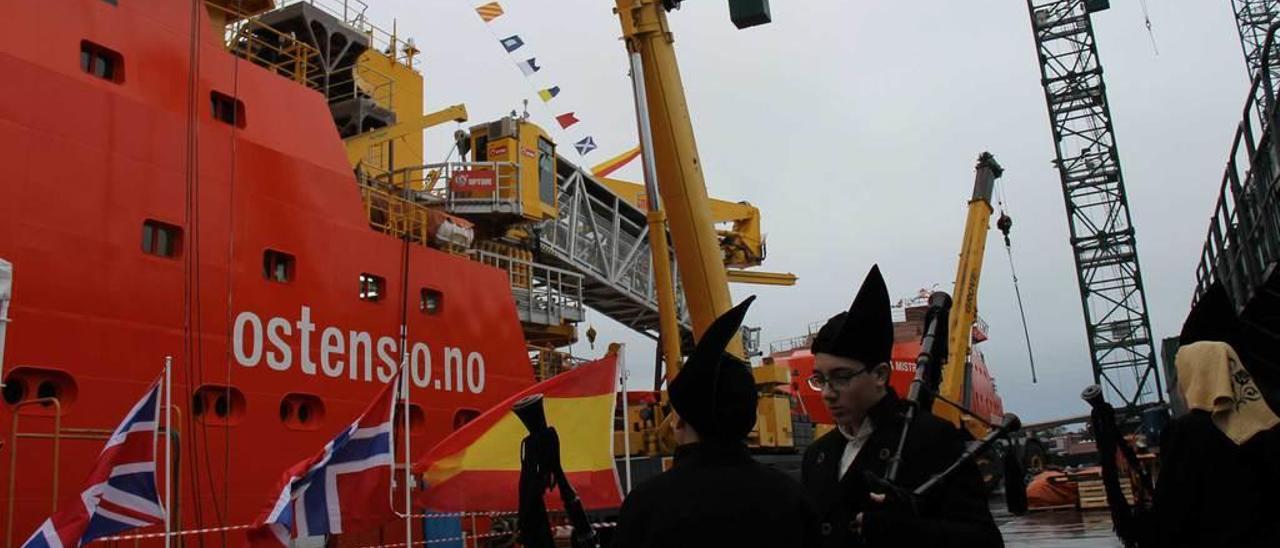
column 876, row 499
column 891, row 498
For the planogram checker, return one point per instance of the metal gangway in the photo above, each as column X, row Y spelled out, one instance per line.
column 594, row 252
column 605, row 238
column 1242, row 249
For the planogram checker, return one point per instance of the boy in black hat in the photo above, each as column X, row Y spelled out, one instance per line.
column 716, row 494
column 851, row 369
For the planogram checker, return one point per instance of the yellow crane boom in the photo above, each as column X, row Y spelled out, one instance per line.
column 358, row 145
column 964, row 309
column 679, row 172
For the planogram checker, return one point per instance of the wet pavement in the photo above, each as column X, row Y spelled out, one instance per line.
column 1056, row 529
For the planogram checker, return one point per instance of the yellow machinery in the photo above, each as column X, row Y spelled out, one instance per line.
column 742, row 245
column 703, row 253
column 773, row 429
column 964, row 308
column 645, row 418
column 678, row 171
column 371, row 147
column 521, row 151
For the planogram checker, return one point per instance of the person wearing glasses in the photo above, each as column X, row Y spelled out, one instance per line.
column 841, row 471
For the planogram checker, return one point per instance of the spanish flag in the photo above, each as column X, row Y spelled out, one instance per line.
column 477, row 468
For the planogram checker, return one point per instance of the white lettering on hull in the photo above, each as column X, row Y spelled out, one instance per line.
column 350, row 353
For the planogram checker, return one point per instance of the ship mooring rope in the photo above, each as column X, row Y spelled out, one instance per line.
column 230, row 528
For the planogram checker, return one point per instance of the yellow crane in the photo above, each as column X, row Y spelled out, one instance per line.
column 742, row 244
column 964, row 308
column 674, row 156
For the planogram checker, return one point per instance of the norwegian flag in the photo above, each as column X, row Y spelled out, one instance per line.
column 121, row 492
column 344, row 488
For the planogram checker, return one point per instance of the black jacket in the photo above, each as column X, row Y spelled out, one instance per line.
column 1212, row 492
column 954, row 513
column 716, row 495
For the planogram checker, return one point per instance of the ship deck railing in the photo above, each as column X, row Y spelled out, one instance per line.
column 439, row 184
column 549, row 362
column 353, row 14
column 285, row 55
column 391, row 212
column 370, row 82
column 1243, row 244
column 790, row 344
column 544, row 295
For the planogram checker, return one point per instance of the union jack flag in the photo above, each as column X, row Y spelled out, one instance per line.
column 121, row 492
column 344, row 488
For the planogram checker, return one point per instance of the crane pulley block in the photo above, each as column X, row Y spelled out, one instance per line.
column 749, row 13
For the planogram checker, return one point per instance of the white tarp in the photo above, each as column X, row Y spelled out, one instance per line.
column 6, row 293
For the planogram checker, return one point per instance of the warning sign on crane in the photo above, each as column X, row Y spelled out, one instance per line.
column 474, row 180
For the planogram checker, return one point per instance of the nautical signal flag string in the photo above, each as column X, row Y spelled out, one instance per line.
column 496, row 19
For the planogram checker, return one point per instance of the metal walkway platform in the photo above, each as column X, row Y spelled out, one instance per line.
column 604, row 237
column 596, row 235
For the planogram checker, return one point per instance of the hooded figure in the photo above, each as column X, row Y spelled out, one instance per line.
column 1219, row 462
column 851, row 369
column 715, row 494
column 1214, row 318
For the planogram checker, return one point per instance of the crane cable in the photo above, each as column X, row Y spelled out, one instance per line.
column 1146, row 19
column 1005, row 223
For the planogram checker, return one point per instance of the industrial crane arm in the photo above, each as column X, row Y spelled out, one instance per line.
column 358, row 145
column 964, row 311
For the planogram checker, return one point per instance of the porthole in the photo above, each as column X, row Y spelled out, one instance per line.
column 218, row 404
column 26, row 383
column 15, row 391
column 299, row 411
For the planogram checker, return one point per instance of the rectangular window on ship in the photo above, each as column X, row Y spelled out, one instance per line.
column 161, row 239
column 277, row 266
column 372, row 288
column 101, row 62
column 227, row 109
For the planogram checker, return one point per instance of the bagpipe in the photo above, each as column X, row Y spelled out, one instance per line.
column 540, row 471
column 921, row 395
column 1134, row 524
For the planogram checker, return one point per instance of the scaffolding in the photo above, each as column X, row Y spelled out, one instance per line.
column 1253, row 19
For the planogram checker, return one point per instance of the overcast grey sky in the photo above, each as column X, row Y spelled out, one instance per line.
column 854, row 126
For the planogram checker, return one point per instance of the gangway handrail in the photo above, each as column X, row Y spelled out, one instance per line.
column 353, row 14
column 556, row 292
column 1244, row 231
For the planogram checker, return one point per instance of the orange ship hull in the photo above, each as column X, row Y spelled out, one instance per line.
column 85, row 162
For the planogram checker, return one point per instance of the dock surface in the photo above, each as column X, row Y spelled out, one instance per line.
column 1055, row 529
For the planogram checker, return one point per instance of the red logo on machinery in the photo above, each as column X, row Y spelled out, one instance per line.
column 474, row 180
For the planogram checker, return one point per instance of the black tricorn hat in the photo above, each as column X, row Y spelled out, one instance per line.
column 865, row 332
column 714, row 391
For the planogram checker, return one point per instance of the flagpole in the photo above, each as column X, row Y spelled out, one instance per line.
column 408, row 474
column 168, row 449
column 626, row 419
